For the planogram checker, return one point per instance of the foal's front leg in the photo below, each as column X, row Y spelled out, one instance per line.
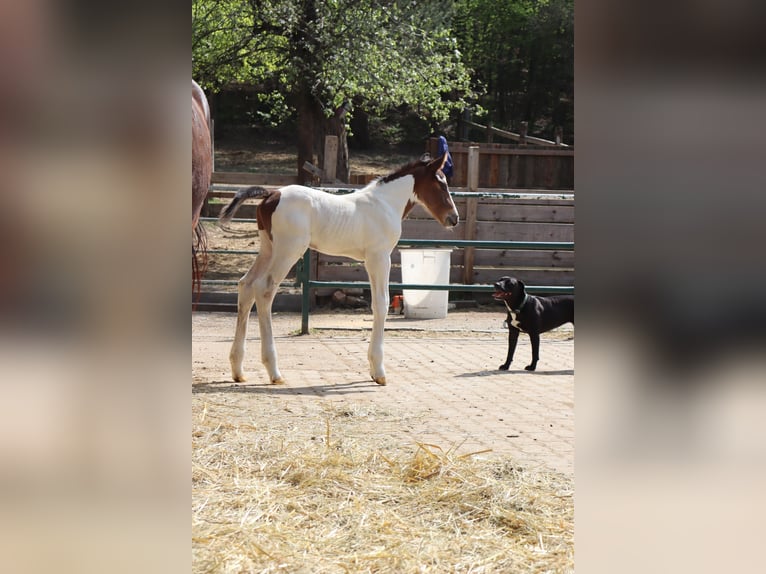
column 378, row 268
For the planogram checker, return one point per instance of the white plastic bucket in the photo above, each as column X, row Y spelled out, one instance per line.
column 427, row 267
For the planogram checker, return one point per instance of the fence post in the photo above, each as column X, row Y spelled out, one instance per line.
column 523, row 134
column 304, row 275
column 472, row 205
column 330, row 158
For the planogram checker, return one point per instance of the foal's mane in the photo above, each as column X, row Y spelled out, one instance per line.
column 402, row 171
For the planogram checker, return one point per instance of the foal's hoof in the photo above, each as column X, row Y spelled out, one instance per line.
column 279, row 381
column 239, row 378
column 380, row 380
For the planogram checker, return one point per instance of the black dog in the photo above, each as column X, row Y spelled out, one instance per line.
column 530, row 314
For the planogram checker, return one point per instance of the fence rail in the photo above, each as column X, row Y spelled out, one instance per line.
column 306, row 283
column 537, row 210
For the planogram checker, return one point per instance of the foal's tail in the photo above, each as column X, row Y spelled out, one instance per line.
column 253, row 192
column 199, row 260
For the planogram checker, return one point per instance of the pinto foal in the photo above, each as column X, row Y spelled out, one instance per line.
column 365, row 225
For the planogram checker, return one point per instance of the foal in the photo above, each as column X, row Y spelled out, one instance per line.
column 364, row 225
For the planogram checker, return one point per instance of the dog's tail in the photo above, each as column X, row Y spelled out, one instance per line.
column 252, row 192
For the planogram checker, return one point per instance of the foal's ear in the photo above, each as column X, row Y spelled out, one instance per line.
column 437, row 164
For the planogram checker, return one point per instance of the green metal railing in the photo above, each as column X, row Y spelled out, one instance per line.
column 303, row 280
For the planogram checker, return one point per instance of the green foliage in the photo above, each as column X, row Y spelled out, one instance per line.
column 513, row 58
column 522, row 56
column 378, row 55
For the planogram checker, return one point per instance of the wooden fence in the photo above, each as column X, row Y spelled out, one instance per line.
column 513, row 215
column 496, row 220
column 508, row 166
column 486, row 217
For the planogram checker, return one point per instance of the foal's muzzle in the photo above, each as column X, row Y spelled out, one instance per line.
column 452, row 219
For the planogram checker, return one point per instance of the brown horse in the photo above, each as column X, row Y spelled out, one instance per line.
column 202, row 168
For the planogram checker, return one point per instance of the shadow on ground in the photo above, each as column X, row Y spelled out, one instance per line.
column 216, row 387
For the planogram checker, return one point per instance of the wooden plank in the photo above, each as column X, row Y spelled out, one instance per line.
column 490, row 231
column 544, row 196
column 469, row 231
column 513, row 177
column 342, row 273
column 330, row 158
column 430, row 229
column 493, row 211
column 481, row 273
column 329, row 260
column 514, row 231
column 491, row 130
column 462, row 147
column 529, row 172
column 503, row 170
column 485, row 275
column 244, row 178
column 419, row 213
column 512, row 258
column 459, row 168
column 312, row 169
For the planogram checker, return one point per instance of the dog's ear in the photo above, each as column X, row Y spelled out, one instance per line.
column 521, row 283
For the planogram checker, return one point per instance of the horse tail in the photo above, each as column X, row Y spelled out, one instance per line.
column 199, row 260
column 253, row 192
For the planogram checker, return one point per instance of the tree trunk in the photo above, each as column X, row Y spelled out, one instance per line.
column 303, row 48
column 306, row 132
column 336, row 126
column 360, row 125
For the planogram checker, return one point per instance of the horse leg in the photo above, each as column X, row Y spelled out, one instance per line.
column 264, row 299
column 378, row 268
column 266, row 287
column 245, row 299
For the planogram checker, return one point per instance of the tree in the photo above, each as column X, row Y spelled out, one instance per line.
column 321, row 56
column 522, row 55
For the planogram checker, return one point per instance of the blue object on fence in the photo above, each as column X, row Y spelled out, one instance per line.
column 447, row 168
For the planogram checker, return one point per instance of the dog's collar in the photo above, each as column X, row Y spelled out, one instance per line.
column 523, row 302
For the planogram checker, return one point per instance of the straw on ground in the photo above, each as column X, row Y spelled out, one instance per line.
column 321, row 494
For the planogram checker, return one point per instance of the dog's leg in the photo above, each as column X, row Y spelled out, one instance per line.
column 534, row 338
column 513, row 337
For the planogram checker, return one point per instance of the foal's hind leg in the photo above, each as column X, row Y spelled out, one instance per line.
column 260, row 286
column 245, row 300
column 266, row 288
